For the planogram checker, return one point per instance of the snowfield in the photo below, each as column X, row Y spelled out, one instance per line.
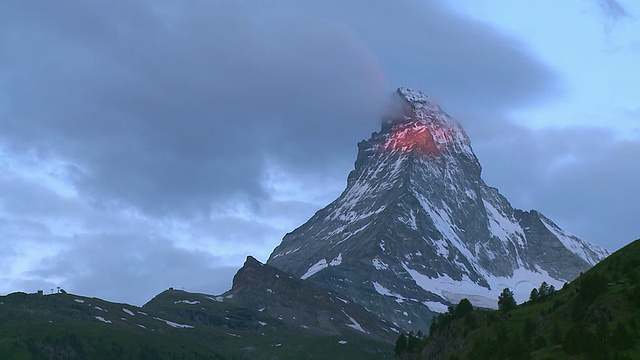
column 522, row 282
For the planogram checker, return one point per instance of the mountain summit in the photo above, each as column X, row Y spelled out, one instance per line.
column 417, row 229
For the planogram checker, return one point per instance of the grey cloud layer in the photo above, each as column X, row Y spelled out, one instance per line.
column 167, row 114
column 168, row 107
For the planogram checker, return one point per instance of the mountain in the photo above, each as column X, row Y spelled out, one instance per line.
column 302, row 304
column 417, row 229
column 268, row 314
column 596, row 316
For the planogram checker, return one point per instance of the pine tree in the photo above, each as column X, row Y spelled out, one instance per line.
column 506, row 301
column 464, row 307
column 401, row 345
column 412, row 343
column 544, row 289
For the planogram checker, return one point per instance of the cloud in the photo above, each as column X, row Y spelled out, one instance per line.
column 166, row 113
column 170, row 107
column 612, row 9
column 427, row 46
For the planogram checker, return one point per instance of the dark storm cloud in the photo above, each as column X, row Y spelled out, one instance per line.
column 167, row 107
column 169, row 112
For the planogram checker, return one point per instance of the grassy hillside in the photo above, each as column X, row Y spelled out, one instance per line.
column 597, row 316
column 66, row 326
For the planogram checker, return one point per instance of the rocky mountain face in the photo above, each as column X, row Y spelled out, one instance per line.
column 417, row 229
column 302, row 304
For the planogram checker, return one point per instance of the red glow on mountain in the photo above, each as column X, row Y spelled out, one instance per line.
column 412, row 139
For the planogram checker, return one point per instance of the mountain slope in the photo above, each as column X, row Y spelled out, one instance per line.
column 418, row 226
column 301, row 303
column 596, row 316
column 270, row 297
column 295, row 320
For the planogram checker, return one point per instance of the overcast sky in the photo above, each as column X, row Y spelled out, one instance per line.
column 148, row 144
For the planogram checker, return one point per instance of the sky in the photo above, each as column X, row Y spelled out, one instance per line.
column 155, row 144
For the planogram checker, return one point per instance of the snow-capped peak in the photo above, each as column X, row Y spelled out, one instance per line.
column 415, row 213
column 423, row 127
column 418, row 100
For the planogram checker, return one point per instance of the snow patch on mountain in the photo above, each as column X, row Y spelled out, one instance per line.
column 100, row 318
column 380, row 289
column 128, row 311
column 451, row 290
column 174, row 324
column 337, row 261
column 354, row 324
column 442, row 248
column 503, row 227
column 321, row 265
column 190, row 302
column 411, row 220
column 436, row 306
column 379, row 264
column 315, row 268
column 446, row 227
